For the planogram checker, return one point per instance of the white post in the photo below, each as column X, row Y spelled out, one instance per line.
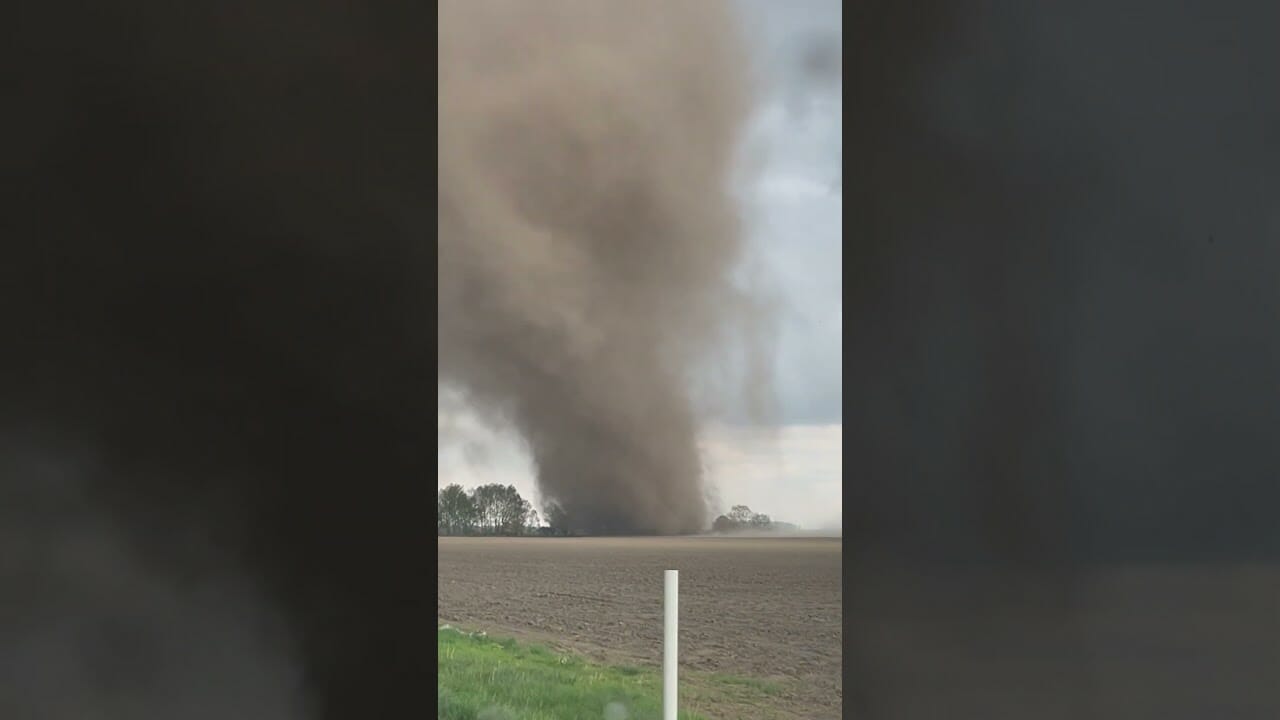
column 670, row 621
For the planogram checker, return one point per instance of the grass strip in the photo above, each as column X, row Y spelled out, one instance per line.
column 485, row 678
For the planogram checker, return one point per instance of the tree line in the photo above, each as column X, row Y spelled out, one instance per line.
column 741, row 517
column 492, row 509
column 497, row 509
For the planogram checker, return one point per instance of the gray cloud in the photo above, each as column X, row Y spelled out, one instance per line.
column 793, row 203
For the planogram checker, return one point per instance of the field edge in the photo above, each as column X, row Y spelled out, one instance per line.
column 503, row 678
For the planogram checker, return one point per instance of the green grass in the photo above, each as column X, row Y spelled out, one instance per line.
column 482, row 678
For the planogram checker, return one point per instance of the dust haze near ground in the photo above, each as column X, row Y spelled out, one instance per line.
column 800, row 533
column 215, row 290
column 587, row 241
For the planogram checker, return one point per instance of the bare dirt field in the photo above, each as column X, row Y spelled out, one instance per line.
column 763, row 608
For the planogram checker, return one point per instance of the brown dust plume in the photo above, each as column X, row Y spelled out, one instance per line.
column 587, row 239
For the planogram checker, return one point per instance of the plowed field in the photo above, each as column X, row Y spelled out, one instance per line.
column 768, row 609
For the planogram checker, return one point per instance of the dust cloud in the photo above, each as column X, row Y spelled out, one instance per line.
column 587, row 241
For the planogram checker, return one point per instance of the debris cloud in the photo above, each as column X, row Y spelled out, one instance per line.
column 587, row 240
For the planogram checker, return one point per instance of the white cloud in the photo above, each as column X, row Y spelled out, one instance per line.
column 792, row 187
column 472, row 453
column 792, row 474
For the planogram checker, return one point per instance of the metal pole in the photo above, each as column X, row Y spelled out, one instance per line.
column 670, row 622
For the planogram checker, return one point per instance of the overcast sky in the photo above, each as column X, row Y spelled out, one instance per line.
column 791, row 206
